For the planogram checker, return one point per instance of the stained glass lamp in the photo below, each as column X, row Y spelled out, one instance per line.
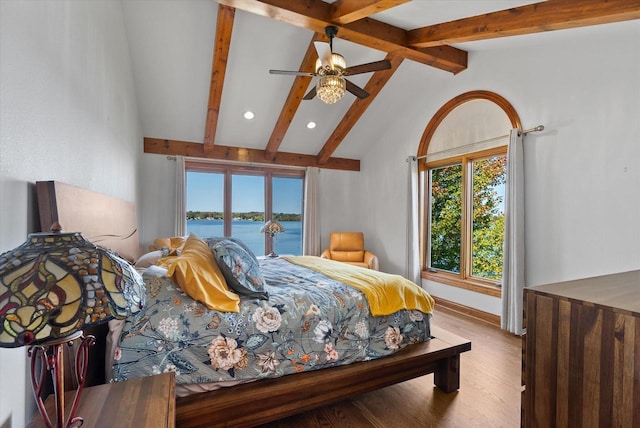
column 272, row 228
column 53, row 286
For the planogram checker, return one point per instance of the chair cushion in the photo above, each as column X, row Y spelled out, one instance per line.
column 347, row 246
column 347, row 256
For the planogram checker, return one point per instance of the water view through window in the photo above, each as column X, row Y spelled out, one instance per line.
column 206, row 214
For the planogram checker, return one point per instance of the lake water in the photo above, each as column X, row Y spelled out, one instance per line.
column 289, row 242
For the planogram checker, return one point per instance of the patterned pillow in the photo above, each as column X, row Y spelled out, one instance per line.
column 240, row 269
column 215, row 239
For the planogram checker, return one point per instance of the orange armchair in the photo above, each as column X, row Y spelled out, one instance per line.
column 348, row 247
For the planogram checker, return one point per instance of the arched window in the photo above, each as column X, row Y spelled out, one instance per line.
column 463, row 180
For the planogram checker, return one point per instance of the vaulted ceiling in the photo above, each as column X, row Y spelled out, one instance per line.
column 199, row 65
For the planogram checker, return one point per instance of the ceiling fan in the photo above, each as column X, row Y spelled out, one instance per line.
column 331, row 70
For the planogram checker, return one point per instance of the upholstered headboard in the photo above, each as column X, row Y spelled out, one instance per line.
column 104, row 220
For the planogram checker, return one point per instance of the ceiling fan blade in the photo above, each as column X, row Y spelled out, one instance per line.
column 324, row 53
column 293, row 73
column 384, row 64
column 356, row 90
column 311, row 94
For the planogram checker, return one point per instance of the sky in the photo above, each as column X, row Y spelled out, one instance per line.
column 205, row 193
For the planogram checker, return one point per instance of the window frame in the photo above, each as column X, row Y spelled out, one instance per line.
column 228, row 170
column 423, row 149
column 464, row 278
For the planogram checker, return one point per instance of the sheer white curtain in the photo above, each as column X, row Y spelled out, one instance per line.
column 311, row 224
column 413, row 239
column 513, row 279
column 181, row 199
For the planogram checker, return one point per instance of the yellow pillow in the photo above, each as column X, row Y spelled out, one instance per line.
column 198, row 274
column 166, row 262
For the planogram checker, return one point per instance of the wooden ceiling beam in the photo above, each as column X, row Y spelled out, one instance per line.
column 346, row 11
column 315, row 15
column 298, row 89
column 224, row 29
column 357, row 109
column 239, row 154
column 529, row 19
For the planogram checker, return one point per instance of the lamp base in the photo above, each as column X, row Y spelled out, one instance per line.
column 272, row 255
column 49, row 357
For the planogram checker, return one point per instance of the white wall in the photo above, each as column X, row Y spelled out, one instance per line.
column 582, row 172
column 67, row 113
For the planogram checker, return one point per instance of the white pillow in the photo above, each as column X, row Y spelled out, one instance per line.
column 148, row 259
column 155, row 271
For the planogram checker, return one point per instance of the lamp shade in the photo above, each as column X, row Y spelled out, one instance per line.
column 55, row 284
column 272, row 227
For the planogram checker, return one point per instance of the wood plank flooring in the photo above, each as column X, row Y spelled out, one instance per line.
column 489, row 394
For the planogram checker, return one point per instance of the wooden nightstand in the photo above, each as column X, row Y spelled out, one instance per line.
column 142, row 402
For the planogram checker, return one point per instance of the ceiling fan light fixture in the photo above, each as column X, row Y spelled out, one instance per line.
column 337, row 65
column 330, row 88
column 338, row 62
column 330, row 71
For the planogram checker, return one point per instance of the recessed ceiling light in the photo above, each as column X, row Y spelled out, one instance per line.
column 311, row 125
column 249, row 115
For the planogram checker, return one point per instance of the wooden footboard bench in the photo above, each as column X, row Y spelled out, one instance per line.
column 271, row 399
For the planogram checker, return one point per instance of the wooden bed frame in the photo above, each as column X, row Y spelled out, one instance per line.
column 264, row 400
column 267, row 400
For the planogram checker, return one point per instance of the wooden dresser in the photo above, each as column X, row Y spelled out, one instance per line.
column 581, row 356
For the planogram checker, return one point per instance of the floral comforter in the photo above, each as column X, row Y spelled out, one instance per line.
column 309, row 322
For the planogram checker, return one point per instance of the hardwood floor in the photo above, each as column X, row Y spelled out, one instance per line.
column 489, row 394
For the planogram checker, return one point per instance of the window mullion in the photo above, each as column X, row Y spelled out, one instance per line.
column 467, row 219
column 268, row 207
column 423, row 225
column 268, row 196
column 428, row 198
column 228, row 215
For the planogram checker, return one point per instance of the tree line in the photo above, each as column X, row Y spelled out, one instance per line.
column 248, row 216
column 488, row 218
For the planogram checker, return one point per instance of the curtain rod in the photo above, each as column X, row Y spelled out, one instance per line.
column 526, row 131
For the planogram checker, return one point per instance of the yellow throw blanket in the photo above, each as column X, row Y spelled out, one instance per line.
column 387, row 293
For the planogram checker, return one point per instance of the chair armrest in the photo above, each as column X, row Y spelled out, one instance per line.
column 326, row 254
column 371, row 260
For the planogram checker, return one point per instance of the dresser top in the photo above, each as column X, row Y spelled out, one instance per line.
column 619, row 292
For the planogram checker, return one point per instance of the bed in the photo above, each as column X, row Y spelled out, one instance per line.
column 283, row 352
